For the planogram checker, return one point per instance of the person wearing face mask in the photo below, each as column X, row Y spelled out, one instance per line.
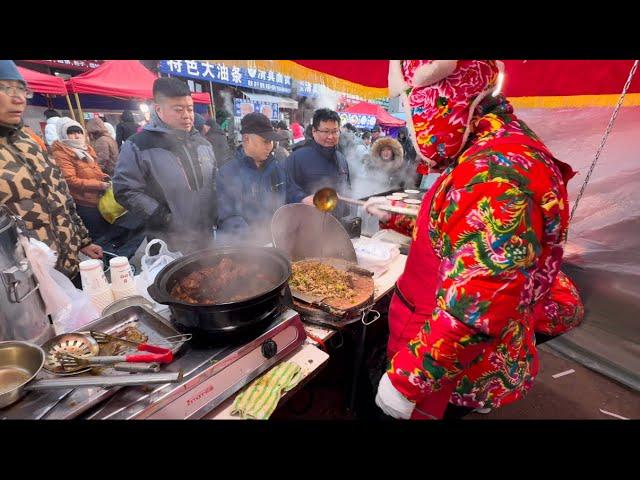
column 487, row 246
column 87, row 182
column 165, row 175
column 32, row 185
column 253, row 185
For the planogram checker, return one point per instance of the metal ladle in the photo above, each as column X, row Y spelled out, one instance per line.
column 326, row 200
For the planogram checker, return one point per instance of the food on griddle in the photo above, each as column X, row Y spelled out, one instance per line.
column 228, row 281
column 322, row 280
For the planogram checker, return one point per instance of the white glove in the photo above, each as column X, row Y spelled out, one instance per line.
column 391, row 401
column 370, row 207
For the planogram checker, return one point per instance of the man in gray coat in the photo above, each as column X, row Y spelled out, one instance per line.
column 165, row 175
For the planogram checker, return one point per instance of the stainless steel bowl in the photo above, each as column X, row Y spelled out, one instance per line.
column 20, row 362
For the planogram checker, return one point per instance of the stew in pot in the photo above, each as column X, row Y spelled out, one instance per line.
column 228, row 281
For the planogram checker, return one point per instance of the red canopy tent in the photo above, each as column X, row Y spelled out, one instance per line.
column 46, row 84
column 43, row 83
column 382, row 116
column 121, row 78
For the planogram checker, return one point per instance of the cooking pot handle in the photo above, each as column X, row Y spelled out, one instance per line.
column 376, row 316
column 157, row 295
column 11, row 280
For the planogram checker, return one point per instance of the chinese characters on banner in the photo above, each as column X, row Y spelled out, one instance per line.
column 236, row 76
column 70, row 64
column 242, row 107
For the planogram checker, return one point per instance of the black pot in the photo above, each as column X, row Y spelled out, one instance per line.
column 229, row 321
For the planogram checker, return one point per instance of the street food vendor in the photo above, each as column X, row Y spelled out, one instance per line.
column 487, row 246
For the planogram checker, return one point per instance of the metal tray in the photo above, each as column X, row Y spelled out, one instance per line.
column 65, row 404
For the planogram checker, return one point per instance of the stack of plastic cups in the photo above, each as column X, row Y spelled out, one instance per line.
column 122, row 281
column 95, row 284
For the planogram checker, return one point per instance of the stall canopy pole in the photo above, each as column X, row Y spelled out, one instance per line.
column 212, row 108
column 79, row 110
column 73, row 114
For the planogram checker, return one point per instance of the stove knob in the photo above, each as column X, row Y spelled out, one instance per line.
column 269, row 348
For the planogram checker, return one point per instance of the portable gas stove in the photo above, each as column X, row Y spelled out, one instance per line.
column 211, row 375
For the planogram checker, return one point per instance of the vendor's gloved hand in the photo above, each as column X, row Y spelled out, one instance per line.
column 370, row 207
column 391, row 401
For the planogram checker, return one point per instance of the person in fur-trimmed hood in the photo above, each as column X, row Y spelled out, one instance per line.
column 387, row 162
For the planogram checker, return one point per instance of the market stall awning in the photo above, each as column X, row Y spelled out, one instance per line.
column 281, row 101
column 569, row 83
column 382, row 116
column 529, row 83
column 43, row 83
column 122, row 79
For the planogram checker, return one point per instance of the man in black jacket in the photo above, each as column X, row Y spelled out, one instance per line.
column 126, row 128
column 318, row 163
column 165, row 176
column 218, row 140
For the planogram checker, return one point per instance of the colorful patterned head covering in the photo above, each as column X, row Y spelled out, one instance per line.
column 441, row 112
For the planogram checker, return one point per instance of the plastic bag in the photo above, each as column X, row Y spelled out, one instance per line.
column 69, row 307
column 375, row 255
column 109, row 208
column 152, row 264
column 42, row 260
column 80, row 310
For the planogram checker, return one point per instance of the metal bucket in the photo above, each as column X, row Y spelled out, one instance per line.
column 22, row 311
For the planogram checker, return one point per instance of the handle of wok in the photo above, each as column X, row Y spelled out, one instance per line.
column 157, row 295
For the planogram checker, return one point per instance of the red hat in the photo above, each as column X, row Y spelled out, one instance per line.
column 298, row 132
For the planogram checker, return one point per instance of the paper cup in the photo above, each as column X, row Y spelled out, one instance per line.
column 102, row 299
column 121, row 275
column 92, row 276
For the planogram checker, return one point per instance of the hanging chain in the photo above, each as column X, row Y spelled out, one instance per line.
column 604, row 137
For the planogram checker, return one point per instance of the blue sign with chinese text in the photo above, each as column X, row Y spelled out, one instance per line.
column 237, row 76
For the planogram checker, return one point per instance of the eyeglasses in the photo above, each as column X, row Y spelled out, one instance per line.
column 16, row 91
column 329, row 132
